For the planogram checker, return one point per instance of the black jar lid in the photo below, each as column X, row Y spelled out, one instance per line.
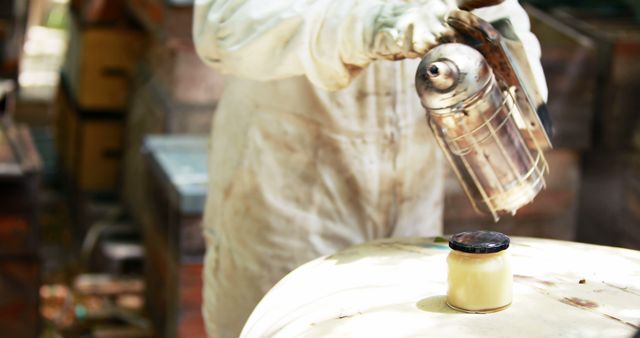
column 479, row 241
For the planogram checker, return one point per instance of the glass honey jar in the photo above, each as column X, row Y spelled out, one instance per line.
column 480, row 279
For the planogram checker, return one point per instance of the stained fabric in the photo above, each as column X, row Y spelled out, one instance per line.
column 319, row 141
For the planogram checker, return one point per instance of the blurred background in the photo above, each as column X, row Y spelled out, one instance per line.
column 105, row 111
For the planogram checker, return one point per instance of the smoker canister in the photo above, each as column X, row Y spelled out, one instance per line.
column 480, row 129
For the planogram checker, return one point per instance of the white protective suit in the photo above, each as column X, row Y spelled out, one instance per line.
column 315, row 146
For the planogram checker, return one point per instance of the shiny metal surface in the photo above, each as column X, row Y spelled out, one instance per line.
column 472, row 74
column 506, row 57
column 480, row 128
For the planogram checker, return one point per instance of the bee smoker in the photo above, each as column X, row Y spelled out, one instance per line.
column 484, row 109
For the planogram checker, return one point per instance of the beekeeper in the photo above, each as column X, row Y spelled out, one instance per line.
column 319, row 140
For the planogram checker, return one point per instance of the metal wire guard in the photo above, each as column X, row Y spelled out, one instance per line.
column 498, row 166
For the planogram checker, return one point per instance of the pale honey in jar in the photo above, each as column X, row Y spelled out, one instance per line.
column 479, row 272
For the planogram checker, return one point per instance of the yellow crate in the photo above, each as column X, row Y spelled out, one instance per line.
column 90, row 146
column 99, row 64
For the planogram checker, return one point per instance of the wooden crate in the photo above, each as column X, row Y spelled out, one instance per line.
column 156, row 111
column 610, row 199
column 175, row 91
column 90, row 145
column 174, row 244
column 99, row 64
column 164, row 18
column 99, row 11
column 16, row 236
column 190, row 293
column 569, row 58
column 7, row 9
column 609, row 185
column 19, row 232
column 180, row 74
column 617, row 41
column 19, row 297
column 173, row 295
column 13, row 22
column 19, row 182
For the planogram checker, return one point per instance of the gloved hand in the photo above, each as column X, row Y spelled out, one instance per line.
column 409, row 30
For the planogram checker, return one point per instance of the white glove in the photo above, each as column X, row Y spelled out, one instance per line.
column 409, row 30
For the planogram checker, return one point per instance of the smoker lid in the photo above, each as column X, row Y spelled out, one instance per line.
column 450, row 73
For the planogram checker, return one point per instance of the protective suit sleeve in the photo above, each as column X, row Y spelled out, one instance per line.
column 329, row 41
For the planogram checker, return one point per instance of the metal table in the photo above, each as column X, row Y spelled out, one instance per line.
column 397, row 288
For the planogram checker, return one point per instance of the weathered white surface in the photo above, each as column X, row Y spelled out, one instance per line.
column 397, row 288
